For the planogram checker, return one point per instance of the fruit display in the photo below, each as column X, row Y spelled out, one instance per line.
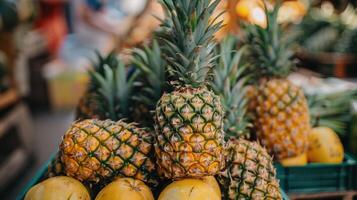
column 188, row 117
column 123, row 188
column 324, row 146
column 177, row 79
column 279, row 108
column 58, row 188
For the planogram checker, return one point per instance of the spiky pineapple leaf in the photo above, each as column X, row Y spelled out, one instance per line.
column 115, row 87
column 230, row 83
column 187, row 40
column 152, row 81
column 331, row 110
column 269, row 52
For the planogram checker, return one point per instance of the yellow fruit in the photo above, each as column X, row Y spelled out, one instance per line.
column 98, row 151
column 211, row 180
column 324, row 146
column 243, row 9
column 300, row 160
column 250, row 173
column 189, row 189
column 125, row 188
column 189, row 133
column 58, row 188
column 282, row 118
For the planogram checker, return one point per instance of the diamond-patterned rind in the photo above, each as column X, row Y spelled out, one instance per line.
column 281, row 118
column 250, row 173
column 95, row 151
column 189, row 133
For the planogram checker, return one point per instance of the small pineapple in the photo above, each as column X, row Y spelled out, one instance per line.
column 280, row 109
column 249, row 172
column 97, row 151
column 189, row 120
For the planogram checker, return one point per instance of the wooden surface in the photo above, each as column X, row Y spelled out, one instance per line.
column 345, row 195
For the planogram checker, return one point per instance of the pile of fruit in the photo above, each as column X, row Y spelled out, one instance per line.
column 187, row 118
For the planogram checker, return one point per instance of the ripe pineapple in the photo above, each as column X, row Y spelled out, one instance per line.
column 281, row 115
column 189, row 120
column 249, row 173
column 110, row 91
column 97, row 151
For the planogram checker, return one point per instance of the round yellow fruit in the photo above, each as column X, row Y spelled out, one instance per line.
column 300, row 160
column 189, row 189
column 211, row 180
column 243, row 9
column 324, row 146
column 58, row 188
column 125, row 188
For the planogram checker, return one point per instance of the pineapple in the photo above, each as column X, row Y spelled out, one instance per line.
column 189, row 120
column 97, row 151
column 280, row 109
column 152, row 81
column 249, row 173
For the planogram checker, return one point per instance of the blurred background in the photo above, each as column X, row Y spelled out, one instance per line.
column 47, row 46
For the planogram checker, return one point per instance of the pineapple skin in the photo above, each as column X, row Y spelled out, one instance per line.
column 281, row 117
column 98, row 151
column 189, row 139
column 250, row 173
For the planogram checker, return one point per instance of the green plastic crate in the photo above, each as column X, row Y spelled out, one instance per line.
column 317, row 177
column 41, row 172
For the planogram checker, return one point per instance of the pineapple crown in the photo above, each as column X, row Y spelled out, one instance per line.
column 269, row 52
column 153, row 74
column 98, row 66
column 230, row 84
column 187, row 37
column 115, row 87
column 331, row 110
